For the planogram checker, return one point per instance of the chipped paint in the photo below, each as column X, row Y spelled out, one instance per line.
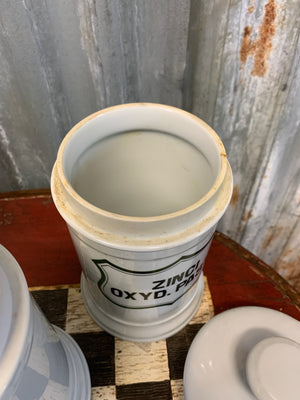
column 260, row 48
column 289, row 264
column 247, row 216
column 290, row 271
column 272, row 233
column 264, row 41
column 248, row 47
column 256, row 271
column 6, row 218
column 251, row 9
column 235, row 196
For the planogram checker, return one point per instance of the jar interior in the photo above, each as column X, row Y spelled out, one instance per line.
column 142, row 173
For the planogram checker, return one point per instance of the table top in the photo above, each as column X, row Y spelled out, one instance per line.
column 33, row 231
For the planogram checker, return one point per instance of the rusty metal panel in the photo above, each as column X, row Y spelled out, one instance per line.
column 244, row 81
column 234, row 63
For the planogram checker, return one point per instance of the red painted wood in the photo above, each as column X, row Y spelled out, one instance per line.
column 237, row 278
column 33, row 231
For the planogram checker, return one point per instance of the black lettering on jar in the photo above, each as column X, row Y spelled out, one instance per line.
column 116, row 292
column 160, row 294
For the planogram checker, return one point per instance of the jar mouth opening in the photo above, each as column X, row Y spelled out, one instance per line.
column 153, row 117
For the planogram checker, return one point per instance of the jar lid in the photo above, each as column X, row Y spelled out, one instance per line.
column 14, row 319
column 273, row 369
column 230, row 356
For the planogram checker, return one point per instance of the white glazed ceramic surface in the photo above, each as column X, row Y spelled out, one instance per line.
column 216, row 364
column 133, row 174
column 143, row 297
column 142, row 275
column 37, row 360
column 15, row 324
column 273, row 369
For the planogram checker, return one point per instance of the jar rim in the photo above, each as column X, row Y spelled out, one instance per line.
column 141, row 106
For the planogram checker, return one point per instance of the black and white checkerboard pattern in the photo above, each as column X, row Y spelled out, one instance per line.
column 122, row 370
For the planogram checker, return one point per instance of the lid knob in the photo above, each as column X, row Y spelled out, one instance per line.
column 273, row 369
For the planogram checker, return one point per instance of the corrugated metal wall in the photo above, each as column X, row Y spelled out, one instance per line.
column 234, row 63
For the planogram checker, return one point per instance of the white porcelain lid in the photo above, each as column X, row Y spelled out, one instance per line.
column 216, row 364
column 14, row 317
column 273, row 369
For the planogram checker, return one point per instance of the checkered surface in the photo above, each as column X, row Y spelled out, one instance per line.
column 122, row 370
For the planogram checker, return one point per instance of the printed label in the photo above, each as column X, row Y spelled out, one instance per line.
column 147, row 289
